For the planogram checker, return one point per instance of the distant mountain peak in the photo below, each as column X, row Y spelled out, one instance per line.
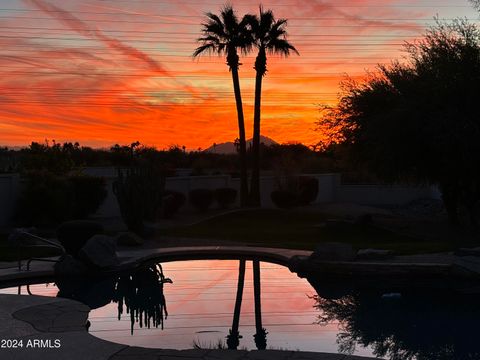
column 229, row 147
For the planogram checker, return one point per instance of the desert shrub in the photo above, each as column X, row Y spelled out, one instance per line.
column 89, row 193
column 139, row 192
column 284, row 199
column 74, row 234
column 225, row 197
column 201, row 199
column 45, row 199
column 307, row 190
column 172, row 202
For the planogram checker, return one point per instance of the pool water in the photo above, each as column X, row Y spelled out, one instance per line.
column 186, row 304
column 200, row 303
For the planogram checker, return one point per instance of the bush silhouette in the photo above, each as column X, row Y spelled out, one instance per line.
column 284, row 199
column 307, row 190
column 172, row 202
column 89, row 193
column 48, row 198
column 201, row 199
column 225, row 197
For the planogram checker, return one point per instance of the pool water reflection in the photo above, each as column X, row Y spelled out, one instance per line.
column 199, row 308
column 211, row 304
column 201, row 303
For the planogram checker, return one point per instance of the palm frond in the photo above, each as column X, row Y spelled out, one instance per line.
column 281, row 46
column 208, row 47
column 230, row 20
column 223, row 33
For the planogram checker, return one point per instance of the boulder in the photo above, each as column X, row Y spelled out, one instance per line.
column 73, row 235
column 129, row 239
column 298, row 263
column 374, row 254
column 333, row 252
column 68, row 266
column 99, row 252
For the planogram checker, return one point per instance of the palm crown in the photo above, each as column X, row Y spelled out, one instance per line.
column 269, row 36
column 225, row 34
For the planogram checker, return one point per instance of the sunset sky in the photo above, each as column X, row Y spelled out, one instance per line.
column 115, row 71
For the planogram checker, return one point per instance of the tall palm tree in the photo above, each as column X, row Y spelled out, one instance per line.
column 270, row 37
column 225, row 35
column 233, row 338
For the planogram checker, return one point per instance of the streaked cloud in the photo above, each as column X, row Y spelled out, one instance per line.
column 104, row 71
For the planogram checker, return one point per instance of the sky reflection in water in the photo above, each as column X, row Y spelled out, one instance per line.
column 200, row 305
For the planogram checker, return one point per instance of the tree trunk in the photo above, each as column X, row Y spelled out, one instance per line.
column 255, row 180
column 233, row 339
column 242, row 140
column 261, row 68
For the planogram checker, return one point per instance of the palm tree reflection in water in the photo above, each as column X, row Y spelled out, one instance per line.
column 260, row 334
column 233, row 338
column 260, row 337
column 143, row 297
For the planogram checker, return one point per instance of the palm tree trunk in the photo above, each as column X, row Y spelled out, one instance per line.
column 242, row 140
column 255, row 180
column 261, row 68
column 260, row 334
column 233, row 338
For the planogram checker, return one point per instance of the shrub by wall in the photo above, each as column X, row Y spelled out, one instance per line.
column 307, row 190
column 225, row 197
column 172, row 202
column 47, row 198
column 284, row 199
column 201, row 199
column 89, row 193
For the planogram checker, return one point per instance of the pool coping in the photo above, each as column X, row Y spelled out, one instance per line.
column 131, row 259
column 298, row 261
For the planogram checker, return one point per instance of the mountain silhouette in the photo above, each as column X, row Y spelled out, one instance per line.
column 229, row 147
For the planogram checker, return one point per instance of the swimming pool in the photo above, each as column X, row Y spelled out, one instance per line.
column 199, row 307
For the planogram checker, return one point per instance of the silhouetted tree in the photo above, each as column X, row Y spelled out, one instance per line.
column 419, row 120
column 225, row 35
column 270, row 37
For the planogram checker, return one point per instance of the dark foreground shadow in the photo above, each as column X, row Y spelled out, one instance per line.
column 407, row 326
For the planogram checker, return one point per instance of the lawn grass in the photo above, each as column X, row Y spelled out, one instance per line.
column 301, row 229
